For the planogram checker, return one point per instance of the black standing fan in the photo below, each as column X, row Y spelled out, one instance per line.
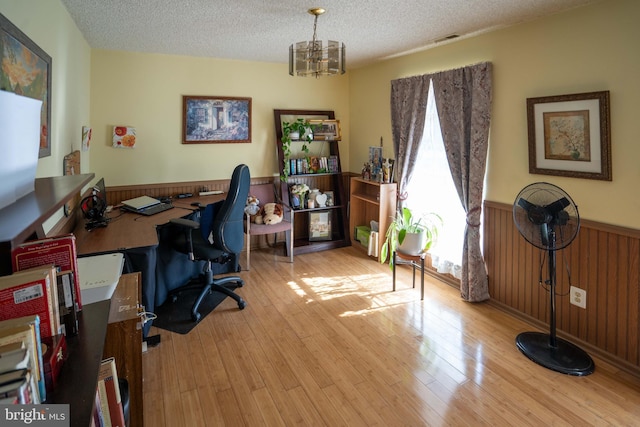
column 548, row 219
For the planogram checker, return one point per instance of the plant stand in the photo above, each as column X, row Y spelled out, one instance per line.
column 416, row 261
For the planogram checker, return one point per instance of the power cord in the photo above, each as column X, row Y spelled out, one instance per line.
column 546, row 283
column 144, row 315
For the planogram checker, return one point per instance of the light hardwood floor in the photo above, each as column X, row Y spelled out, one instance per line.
column 325, row 342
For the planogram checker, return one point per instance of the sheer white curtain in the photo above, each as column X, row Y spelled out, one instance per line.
column 431, row 189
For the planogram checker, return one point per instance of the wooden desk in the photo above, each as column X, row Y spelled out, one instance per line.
column 203, row 200
column 126, row 230
column 137, row 237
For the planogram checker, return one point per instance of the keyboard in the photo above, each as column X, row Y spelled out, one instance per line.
column 152, row 210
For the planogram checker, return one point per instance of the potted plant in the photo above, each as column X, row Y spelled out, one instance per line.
column 295, row 131
column 410, row 234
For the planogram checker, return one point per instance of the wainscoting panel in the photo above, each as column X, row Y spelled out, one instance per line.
column 604, row 260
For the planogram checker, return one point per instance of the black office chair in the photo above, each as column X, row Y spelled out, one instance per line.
column 223, row 222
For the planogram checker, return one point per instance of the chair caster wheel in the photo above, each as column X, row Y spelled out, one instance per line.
column 196, row 317
column 242, row 304
column 174, row 298
column 240, row 283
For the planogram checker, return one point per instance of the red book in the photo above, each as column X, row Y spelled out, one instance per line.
column 59, row 250
column 31, row 292
column 109, row 375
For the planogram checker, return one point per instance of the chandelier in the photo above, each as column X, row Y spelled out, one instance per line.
column 312, row 59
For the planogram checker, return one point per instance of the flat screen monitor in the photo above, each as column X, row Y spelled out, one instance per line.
column 101, row 192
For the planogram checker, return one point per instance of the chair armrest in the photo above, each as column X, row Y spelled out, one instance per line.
column 185, row 223
column 283, row 203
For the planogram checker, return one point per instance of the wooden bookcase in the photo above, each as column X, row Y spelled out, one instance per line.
column 322, row 181
column 371, row 201
column 124, row 341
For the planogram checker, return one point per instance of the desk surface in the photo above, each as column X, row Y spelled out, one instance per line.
column 125, row 230
column 128, row 230
column 203, row 200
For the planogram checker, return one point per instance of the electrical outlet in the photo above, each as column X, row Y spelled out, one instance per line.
column 578, row 297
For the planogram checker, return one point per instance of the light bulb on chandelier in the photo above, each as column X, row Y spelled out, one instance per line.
column 312, row 59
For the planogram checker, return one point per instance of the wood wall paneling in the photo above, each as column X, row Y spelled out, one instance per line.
column 603, row 260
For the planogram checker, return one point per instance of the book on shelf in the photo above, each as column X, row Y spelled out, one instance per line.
column 59, row 250
column 97, row 420
column 30, row 292
column 54, row 354
column 109, row 392
column 332, row 164
column 26, row 330
column 67, row 303
column 14, row 356
column 104, row 405
column 16, row 387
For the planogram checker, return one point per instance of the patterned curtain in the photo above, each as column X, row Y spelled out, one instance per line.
column 408, row 109
column 463, row 99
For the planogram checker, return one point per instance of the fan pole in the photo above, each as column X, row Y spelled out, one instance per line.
column 547, row 350
column 553, row 342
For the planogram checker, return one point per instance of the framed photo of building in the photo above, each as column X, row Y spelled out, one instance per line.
column 320, row 225
column 326, row 130
column 216, row 120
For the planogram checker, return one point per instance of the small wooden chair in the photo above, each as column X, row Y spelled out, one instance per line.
column 416, row 261
column 266, row 193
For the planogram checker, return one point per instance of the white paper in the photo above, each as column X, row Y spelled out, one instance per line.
column 19, row 145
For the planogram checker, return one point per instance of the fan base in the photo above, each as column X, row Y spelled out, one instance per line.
column 565, row 358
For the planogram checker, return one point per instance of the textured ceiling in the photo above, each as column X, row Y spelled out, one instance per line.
column 262, row 30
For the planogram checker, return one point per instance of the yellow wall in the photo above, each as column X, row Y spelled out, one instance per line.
column 145, row 91
column 593, row 48
column 49, row 26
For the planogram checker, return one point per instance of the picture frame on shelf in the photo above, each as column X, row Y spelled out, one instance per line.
column 216, row 119
column 375, row 162
column 319, row 225
column 22, row 57
column 326, row 130
column 331, row 201
column 388, row 170
column 570, row 135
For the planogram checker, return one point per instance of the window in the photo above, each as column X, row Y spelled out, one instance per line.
column 432, row 190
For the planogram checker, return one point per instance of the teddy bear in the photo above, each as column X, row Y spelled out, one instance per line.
column 252, row 207
column 270, row 213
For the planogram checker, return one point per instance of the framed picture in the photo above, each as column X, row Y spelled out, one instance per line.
column 375, row 160
column 319, row 225
column 216, row 120
column 26, row 70
column 570, row 135
column 326, row 130
column 387, row 170
column 331, row 201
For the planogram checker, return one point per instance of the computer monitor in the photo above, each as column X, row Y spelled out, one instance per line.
column 100, row 191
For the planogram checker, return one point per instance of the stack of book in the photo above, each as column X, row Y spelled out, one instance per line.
column 313, row 164
column 21, row 368
column 39, row 304
column 59, row 252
